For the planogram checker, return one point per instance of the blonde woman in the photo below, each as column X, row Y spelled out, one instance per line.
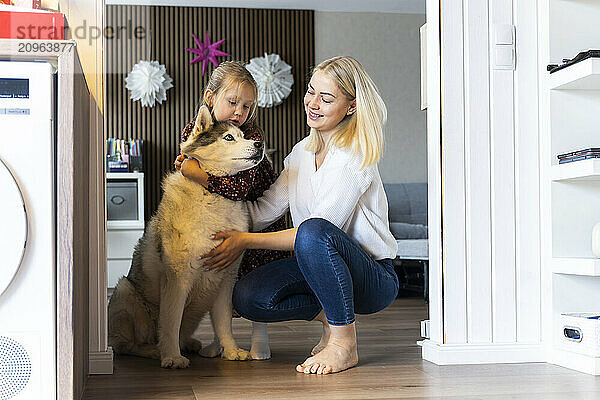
column 341, row 238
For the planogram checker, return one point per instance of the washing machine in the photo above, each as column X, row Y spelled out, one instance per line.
column 27, row 231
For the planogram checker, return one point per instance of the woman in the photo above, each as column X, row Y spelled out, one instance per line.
column 341, row 238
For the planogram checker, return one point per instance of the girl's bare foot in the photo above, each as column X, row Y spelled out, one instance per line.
column 260, row 342
column 339, row 354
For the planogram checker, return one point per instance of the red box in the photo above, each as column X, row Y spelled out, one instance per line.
column 32, row 25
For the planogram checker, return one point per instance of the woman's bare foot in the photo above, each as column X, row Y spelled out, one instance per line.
column 324, row 336
column 339, row 354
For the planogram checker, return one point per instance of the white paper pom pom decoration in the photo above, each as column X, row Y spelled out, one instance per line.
column 148, row 81
column 273, row 77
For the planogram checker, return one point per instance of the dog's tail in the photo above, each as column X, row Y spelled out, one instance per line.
column 121, row 334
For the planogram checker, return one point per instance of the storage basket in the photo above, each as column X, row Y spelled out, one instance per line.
column 581, row 333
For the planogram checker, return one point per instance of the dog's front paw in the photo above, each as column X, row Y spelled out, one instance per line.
column 236, row 353
column 174, row 362
column 212, row 350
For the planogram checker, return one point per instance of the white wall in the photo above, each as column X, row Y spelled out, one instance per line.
column 392, row 6
column 388, row 46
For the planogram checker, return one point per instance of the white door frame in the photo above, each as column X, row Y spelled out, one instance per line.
column 101, row 357
column 483, row 185
column 434, row 171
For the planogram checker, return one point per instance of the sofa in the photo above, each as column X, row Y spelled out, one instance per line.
column 407, row 205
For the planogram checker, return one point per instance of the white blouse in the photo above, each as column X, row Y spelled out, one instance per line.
column 339, row 192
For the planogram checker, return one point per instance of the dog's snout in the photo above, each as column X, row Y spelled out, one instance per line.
column 258, row 145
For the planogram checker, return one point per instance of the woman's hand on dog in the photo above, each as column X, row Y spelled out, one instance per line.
column 227, row 252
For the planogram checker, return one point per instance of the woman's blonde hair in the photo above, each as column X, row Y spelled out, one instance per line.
column 226, row 75
column 361, row 131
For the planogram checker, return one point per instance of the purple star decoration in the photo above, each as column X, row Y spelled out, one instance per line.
column 207, row 52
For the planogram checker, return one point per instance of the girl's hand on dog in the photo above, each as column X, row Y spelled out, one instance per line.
column 191, row 169
column 186, row 165
column 179, row 162
column 227, row 252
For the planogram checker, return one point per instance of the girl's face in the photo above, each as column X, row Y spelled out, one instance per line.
column 325, row 104
column 233, row 105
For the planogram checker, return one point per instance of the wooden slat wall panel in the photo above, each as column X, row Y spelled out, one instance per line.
column 248, row 32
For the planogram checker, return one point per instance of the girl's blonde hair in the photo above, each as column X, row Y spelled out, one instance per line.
column 226, row 75
column 361, row 131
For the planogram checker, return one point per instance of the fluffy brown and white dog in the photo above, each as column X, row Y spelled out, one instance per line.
column 154, row 311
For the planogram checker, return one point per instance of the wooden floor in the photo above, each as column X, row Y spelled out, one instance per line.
column 390, row 368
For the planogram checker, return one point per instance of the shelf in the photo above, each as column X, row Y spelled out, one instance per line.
column 584, row 75
column 578, row 170
column 124, row 175
column 577, row 362
column 576, row 266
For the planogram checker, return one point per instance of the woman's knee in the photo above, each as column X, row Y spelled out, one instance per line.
column 385, row 296
column 246, row 298
column 238, row 298
column 312, row 232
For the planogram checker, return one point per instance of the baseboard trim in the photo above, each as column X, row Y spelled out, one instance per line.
column 450, row 354
column 101, row 362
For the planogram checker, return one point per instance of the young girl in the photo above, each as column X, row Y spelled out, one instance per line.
column 231, row 96
column 341, row 237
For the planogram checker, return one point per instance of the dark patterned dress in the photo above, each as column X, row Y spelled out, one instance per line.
column 247, row 185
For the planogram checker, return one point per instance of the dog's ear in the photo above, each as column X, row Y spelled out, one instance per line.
column 204, row 120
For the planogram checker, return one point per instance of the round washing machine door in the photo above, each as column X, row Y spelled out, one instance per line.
column 13, row 227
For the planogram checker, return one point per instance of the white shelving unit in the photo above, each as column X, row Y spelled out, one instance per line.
column 576, row 266
column 584, row 75
column 569, row 109
column 579, row 362
column 578, row 170
column 138, row 222
column 123, row 235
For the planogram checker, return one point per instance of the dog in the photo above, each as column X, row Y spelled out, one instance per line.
column 154, row 311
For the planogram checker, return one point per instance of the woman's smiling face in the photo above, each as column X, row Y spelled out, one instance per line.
column 325, row 104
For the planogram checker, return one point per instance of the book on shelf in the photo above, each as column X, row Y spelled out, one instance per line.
column 590, row 150
column 578, row 155
column 578, row 158
column 30, row 23
column 33, row 4
column 584, row 55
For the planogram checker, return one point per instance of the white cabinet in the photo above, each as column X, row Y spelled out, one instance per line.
column 570, row 105
column 125, row 214
column 119, row 251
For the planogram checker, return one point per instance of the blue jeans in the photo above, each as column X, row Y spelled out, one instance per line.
column 330, row 271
